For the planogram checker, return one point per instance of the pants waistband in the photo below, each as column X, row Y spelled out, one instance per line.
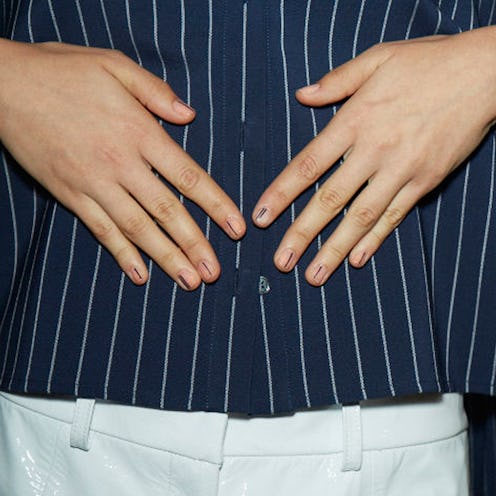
column 210, row 436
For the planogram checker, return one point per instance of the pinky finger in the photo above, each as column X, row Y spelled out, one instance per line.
column 109, row 235
column 392, row 217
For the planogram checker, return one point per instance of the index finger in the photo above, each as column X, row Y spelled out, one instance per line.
column 303, row 170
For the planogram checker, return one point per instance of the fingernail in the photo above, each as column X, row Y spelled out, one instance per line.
column 205, row 270
column 186, row 279
column 261, row 216
column 285, row 259
column 135, row 275
column 359, row 260
column 235, row 226
column 136, row 271
column 182, row 108
column 308, row 90
column 320, row 274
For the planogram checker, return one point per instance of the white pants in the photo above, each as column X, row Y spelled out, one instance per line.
column 60, row 447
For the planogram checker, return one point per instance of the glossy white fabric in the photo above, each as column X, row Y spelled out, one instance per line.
column 394, row 448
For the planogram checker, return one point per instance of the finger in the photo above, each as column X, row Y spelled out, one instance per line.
column 171, row 214
column 304, row 170
column 362, row 215
column 108, row 234
column 326, row 203
column 175, row 165
column 137, row 226
column 392, row 217
column 346, row 79
column 153, row 93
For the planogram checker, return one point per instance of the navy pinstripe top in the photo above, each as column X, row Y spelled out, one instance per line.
column 418, row 318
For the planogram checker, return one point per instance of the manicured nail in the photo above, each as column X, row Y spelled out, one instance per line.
column 136, row 271
column 261, row 216
column 285, row 259
column 308, row 90
column 205, row 270
column 235, row 226
column 186, row 279
column 320, row 274
column 182, row 108
column 359, row 260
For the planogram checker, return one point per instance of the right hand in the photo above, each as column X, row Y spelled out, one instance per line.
column 79, row 121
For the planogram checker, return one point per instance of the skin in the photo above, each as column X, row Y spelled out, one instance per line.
column 416, row 110
column 99, row 165
column 394, row 138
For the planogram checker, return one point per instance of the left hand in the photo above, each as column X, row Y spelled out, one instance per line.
column 418, row 108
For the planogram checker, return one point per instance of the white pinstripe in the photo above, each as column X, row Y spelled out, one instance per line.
column 167, row 347
column 407, row 307
column 289, row 154
column 455, row 8
column 16, row 242
column 267, row 354
column 385, row 21
column 491, row 15
column 54, row 20
column 62, row 304
column 112, row 343
column 88, row 319
column 241, row 202
column 427, row 293
column 83, row 26
column 481, row 267
column 142, row 332
column 455, row 274
column 14, row 25
column 40, row 292
column 412, row 18
column 131, row 34
column 105, row 20
column 383, row 329
column 209, row 170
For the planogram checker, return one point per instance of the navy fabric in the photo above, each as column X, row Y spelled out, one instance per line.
column 418, row 318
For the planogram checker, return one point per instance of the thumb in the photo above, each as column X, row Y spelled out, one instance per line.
column 345, row 80
column 152, row 92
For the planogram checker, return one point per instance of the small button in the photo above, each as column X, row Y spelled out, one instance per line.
column 263, row 285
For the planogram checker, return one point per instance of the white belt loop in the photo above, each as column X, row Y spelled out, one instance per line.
column 81, row 424
column 352, row 438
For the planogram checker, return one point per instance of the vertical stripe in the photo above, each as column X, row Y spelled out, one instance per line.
column 267, row 355
column 13, row 218
column 40, row 294
column 54, row 20
column 88, row 319
column 385, row 21
column 20, row 289
column 105, row 20
column 28, row 289
column 289, row 154
column 167, row 346
column 142, row 332
column 481, row 267
column 241, row 202
column 408, row 311
column 14, row 25
column 62, row 304
column 383, row 329
column 131, row 34
column 412, row 18
column 83, row 26
column 112, row 343
column 209, row 170
column 354, row 327
column 429, row 307
column 455, row 275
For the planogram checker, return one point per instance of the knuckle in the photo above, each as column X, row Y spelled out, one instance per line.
column 308, row 168
column 102, row 230
column 335, row 252
column 134, row 226
column 168, row 259
column 108, row 154
column 188, row 179
column 190, row 244
column 365, row 217
column 164, row 209
column 330, row 199
column 393, row 216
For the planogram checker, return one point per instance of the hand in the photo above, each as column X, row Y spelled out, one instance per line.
column 79, row 121
column 417, row 110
